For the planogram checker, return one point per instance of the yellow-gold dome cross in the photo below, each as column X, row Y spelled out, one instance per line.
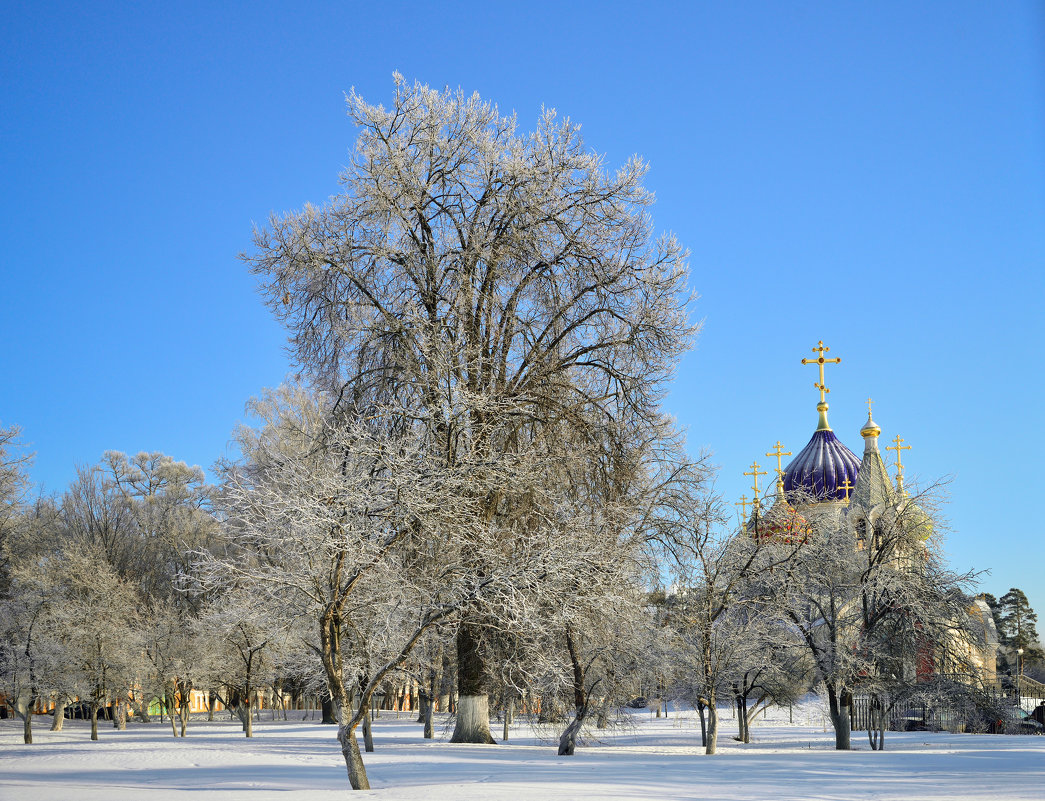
column 899, row 463
column 755, row 473
column 778, row 451
column 820, row 361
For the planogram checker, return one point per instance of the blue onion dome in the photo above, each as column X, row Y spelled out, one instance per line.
column 821, row 468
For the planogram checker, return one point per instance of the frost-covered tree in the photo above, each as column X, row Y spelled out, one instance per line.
column 489, row 289
column 168, row 503
column 719, row 616
column 93, row 615
column 325, row 523
column 247, row 640
column 31, row 664
column 14, row 491
column 145, row 515
column 875, row 604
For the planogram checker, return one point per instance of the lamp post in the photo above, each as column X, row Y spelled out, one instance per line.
column 1019, row 675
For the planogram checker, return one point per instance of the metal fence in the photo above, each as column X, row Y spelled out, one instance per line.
column 979, row 711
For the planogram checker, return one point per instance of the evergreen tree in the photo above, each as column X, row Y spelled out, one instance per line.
column 1016, row 629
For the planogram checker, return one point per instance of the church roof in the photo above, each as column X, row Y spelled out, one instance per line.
column 873, row 487
column 820, row 470
column 781, row 522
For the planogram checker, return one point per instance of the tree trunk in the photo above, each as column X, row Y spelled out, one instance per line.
column 743, row 732
column 58, row 719
column 421, row 702
column 882, row 714
column 430, row 715
column 751, row 713
column 119, row 715
column 246, row 718
column 368, row 734
column 23, row 707
column 509, row 708
column 568, row 739
column 435, row 679
column 473, row 704
column 212, row 699
column 603, row 719
column 712, row 736
column 353, row 759
column 703, row 723
column 183, row 698
column 169, row 708
column 94, row 720
column 876, row 723
column 328, row 710
column 840, row 703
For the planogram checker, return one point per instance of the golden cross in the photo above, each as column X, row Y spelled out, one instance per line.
column 847, row 485
column 755, row 473
column 898, row 448
column 743, row 504
column 820, row 362
column 778, row 451
column 869, row 402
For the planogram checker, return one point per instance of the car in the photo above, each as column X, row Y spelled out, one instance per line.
column 1026, row 723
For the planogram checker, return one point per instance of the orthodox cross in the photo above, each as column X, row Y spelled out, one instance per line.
column 755, row 473
column 742, row 503
column 898, row 448
column 778, row 451
column 869, row 402
column 847, row 485
column 820, row 361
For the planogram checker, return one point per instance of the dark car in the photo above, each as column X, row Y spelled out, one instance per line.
column 1026, row 723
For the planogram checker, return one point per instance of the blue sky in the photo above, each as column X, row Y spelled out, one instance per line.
column 872, row 175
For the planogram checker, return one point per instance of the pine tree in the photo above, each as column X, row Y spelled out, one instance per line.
column 1017, row 629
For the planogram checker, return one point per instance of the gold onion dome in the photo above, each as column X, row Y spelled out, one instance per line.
column 870, row 428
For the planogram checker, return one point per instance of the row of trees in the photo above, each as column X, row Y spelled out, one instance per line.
column 93, row 606
column 472, row 481
column 142, row 582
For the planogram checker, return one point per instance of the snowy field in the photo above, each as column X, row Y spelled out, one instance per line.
column 649, row 759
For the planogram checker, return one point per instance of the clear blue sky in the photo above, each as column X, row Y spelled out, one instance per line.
column 872, row 175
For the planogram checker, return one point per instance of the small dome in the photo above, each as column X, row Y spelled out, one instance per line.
column 821, row 469
column 870, row 428
column 782, row 523
column 915, row 520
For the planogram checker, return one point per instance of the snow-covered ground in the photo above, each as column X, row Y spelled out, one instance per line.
column 650, row 759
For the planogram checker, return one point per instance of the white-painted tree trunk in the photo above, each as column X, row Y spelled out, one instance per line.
column 473, row 720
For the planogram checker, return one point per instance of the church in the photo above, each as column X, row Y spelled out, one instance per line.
column 827, row 479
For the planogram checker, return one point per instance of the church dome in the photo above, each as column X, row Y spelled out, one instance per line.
column 820, row 470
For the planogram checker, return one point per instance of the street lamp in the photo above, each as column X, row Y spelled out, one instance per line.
column 1019, row 674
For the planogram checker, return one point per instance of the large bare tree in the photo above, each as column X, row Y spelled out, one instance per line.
column 488, row 288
